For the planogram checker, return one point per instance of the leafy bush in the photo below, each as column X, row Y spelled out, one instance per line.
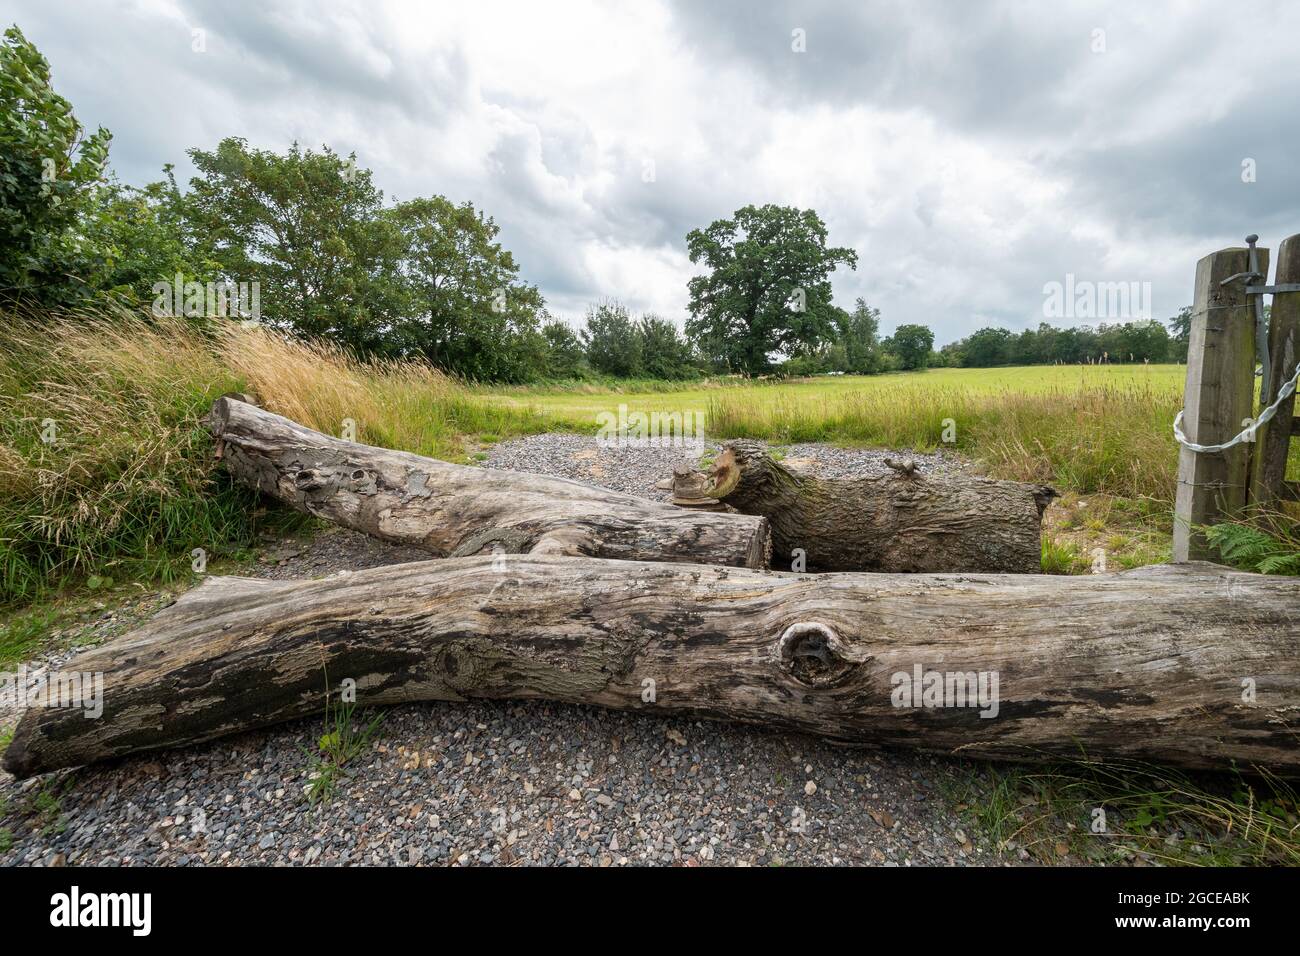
column 664, row 353
column 48, row 170
column 565, row 358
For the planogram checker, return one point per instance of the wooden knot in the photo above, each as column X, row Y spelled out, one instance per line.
column 813, row 654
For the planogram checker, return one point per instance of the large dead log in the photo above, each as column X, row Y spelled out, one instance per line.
column 905, row 521
column 1193, row 665
column 453, row 510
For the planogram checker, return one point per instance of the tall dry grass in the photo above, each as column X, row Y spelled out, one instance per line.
column 128, row 488
column 397, row 404
column 123, row 485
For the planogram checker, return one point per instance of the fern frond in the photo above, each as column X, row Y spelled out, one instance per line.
column 1252, row 549
column 1280, row 564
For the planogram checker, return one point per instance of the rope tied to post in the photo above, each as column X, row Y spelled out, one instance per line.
column 1247, row 433
column 1255, row 293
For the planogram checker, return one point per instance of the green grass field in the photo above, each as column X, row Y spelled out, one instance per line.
column 585, row 402
column 1091, row 429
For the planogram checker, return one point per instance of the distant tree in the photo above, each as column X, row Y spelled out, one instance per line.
column 954, row 354
column 565, row 357
column 49, row 170
column 1144, row 341
column 1043, row 349
column 664, row 353
column 612, row 340
column 1075, row 345
column 912, row 344
column 1180, row 329
column 465, row 308
column 988, row 347
column 859, row 339
column 1140, row 341
column 768, row 286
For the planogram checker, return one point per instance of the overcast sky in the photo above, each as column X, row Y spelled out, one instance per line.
column 970, row 152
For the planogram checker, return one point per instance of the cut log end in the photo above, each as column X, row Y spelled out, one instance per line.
column 723, row 476
column 903, row 521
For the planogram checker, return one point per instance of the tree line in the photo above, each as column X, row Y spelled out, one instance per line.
column 1138, row 341
column 304, row 241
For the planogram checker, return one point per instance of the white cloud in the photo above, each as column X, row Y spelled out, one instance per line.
column 969, row 154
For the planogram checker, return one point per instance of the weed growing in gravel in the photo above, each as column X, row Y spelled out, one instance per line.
column 345, row 738
column 44, row 807
column 22, row 634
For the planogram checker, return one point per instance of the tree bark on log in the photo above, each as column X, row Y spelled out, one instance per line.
column 454, row 511
column 1193, row 665
column 901, row 522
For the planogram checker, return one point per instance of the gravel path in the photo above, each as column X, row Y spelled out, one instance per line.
column 635, row 470
column 506, row 782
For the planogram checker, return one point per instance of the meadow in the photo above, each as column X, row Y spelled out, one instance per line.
column 1092, row 428
column 585, row 400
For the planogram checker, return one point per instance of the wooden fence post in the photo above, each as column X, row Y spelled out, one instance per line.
column 1272, row 443
column 1218, row 396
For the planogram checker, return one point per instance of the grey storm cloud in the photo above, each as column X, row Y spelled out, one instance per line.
column 970, row 153
column 1129, row 128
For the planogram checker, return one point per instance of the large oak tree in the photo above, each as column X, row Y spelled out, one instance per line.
column 768, row 287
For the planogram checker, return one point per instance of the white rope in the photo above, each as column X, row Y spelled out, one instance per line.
column 1247, row 433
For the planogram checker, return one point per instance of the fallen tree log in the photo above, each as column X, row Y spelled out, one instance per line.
column 905, row 521
column 454, row 511
column 1193, row 665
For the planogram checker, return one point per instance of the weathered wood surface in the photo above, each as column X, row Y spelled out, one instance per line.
column 905, row 521
column 1219, row 394
column 1273, row 440
column 453, row 510
column 1150, row 664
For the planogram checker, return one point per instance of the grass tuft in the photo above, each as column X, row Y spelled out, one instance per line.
column 1119, row 812
column 345, row 738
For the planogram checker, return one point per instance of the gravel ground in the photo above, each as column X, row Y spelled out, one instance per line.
column 505, row 782
column 635, row 470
